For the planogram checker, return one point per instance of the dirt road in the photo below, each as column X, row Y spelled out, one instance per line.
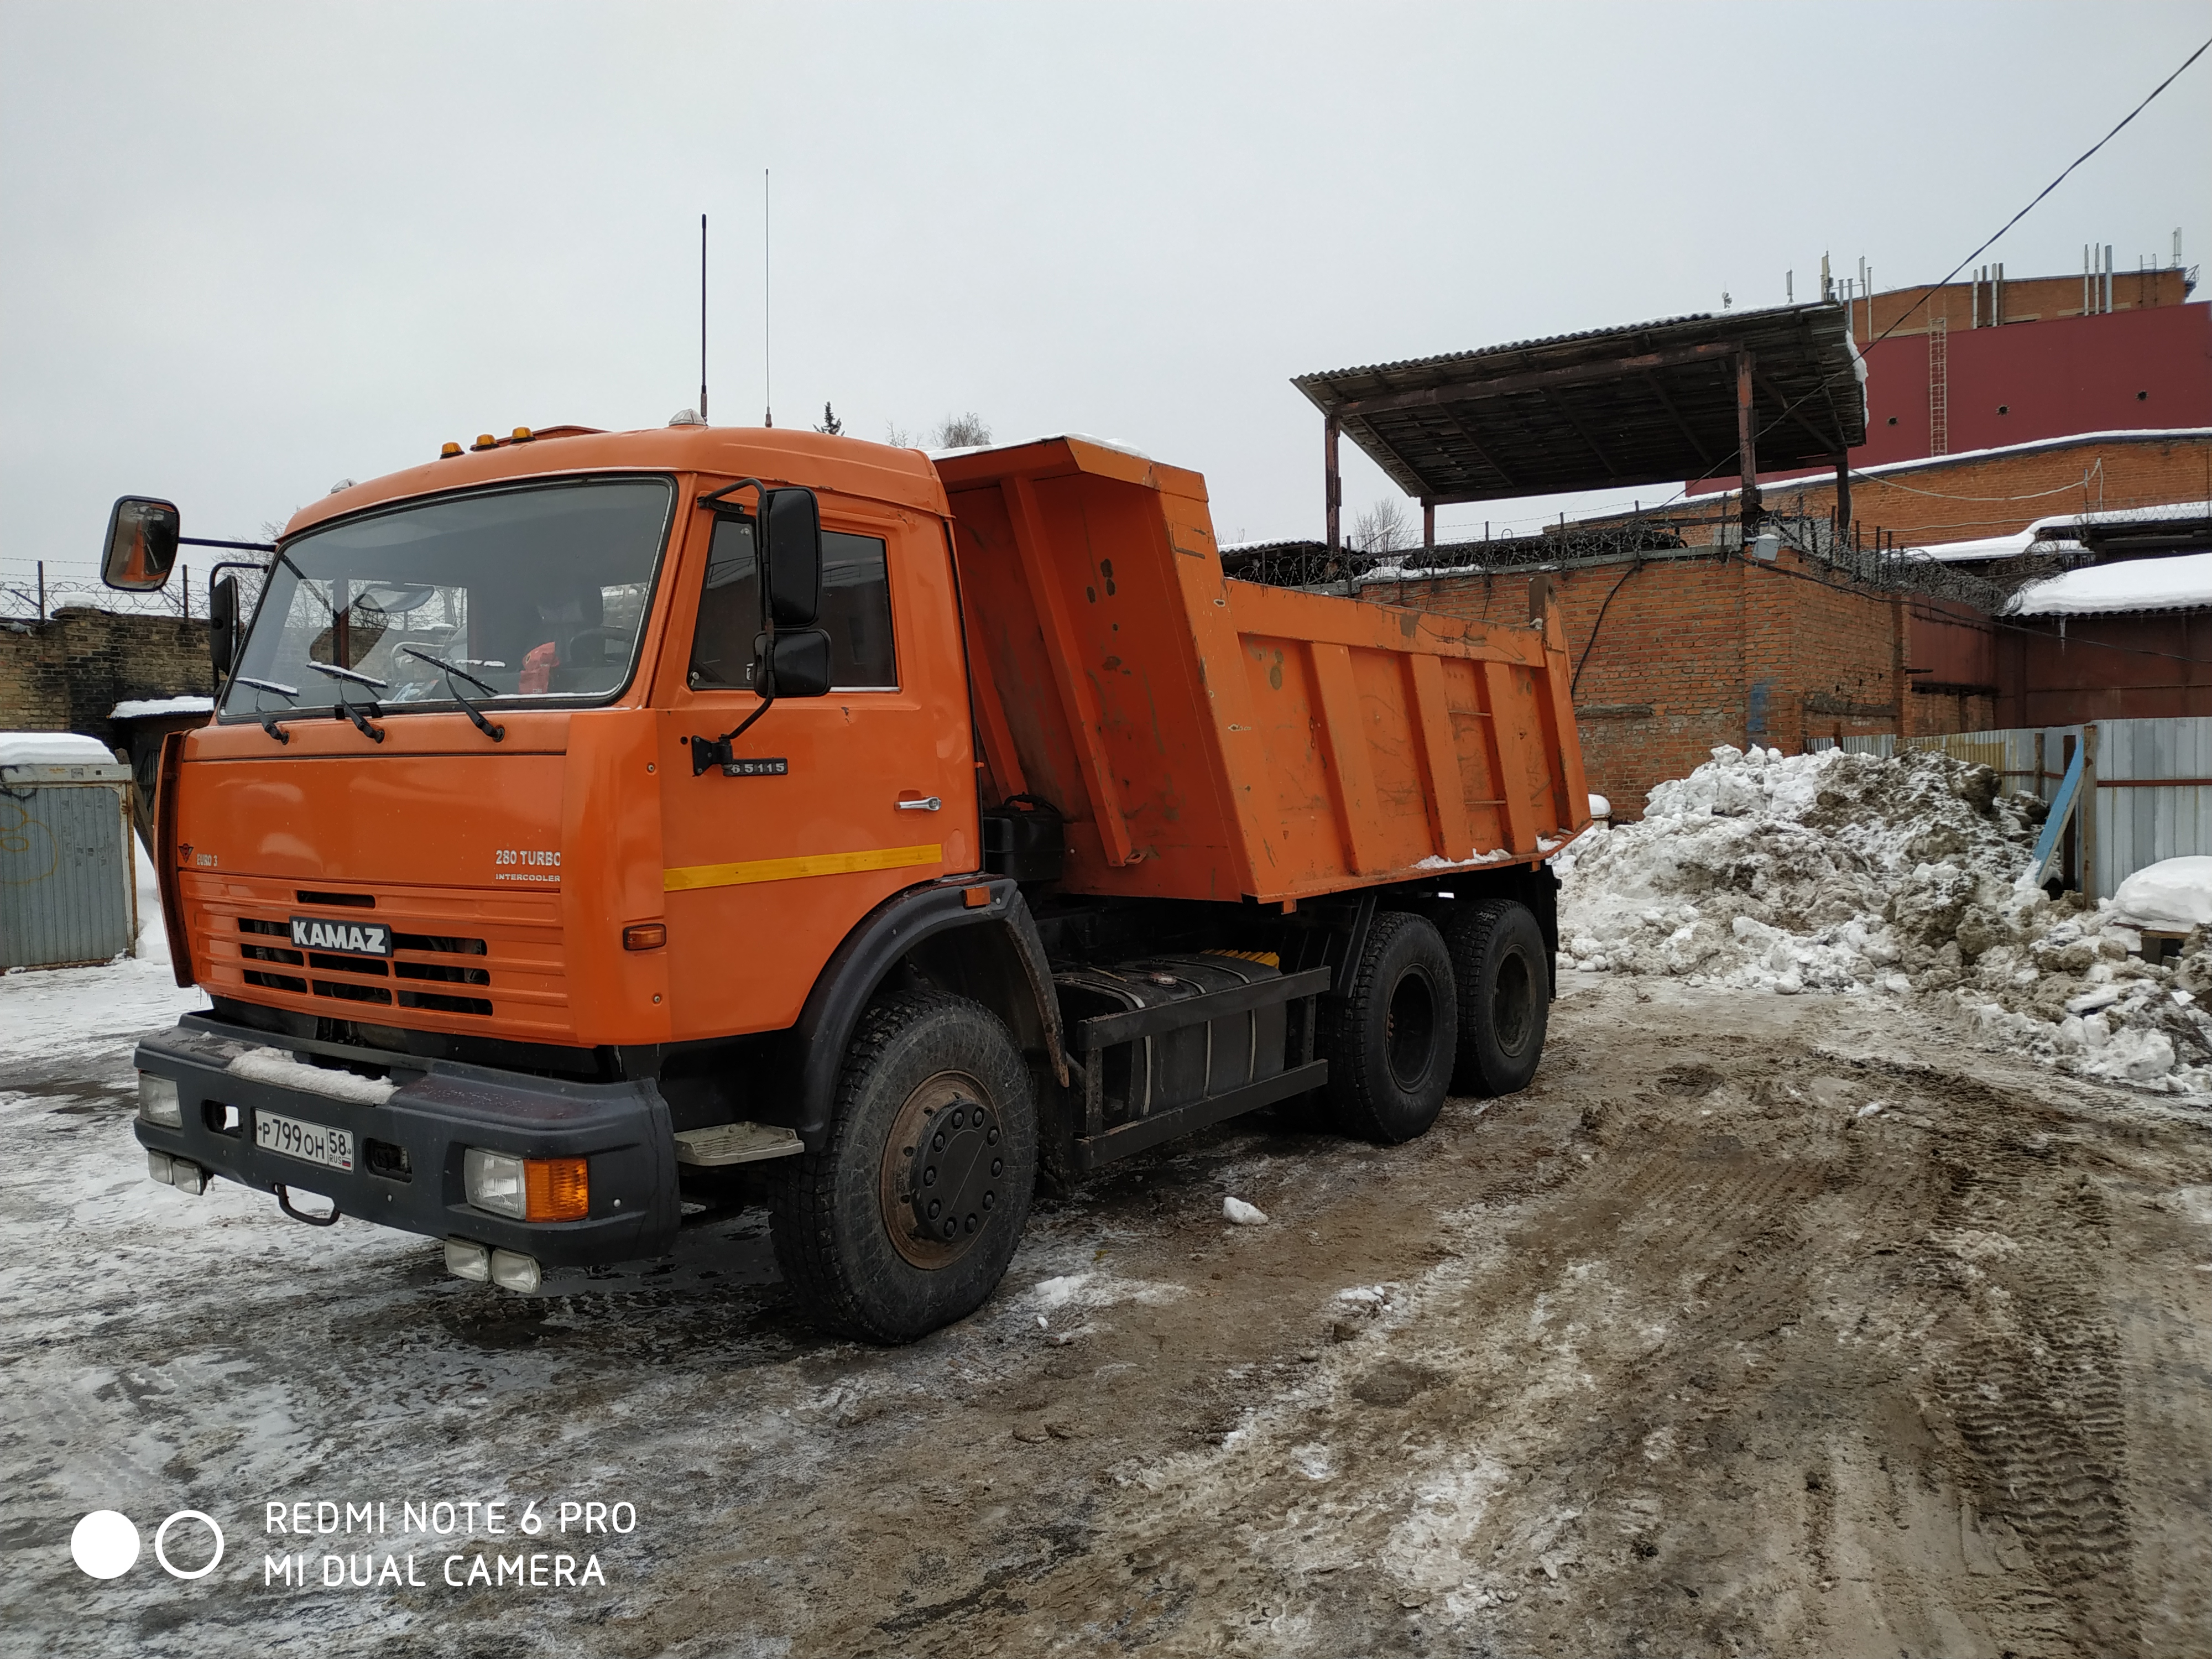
column 1773, row 1324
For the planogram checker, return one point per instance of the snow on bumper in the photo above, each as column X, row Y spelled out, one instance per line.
column 410, row 1132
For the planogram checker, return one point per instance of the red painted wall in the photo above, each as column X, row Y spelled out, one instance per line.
column 2118, row 371
column 2124, row 371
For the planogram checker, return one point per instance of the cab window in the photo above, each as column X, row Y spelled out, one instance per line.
column 856, row 612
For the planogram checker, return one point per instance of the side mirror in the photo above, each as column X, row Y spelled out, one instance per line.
column 142, row 545
column 791, row 556
column 798, row 664
column 222, row 619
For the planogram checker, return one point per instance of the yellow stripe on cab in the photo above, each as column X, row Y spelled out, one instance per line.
column 811, row 864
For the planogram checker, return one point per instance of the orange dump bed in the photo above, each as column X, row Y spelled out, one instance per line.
column 1217, row 740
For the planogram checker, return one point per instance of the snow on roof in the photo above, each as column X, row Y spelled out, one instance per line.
column 1983, row 547
column 1813, row 480
column 139, row 707
column 53, row 749
column 2171, row 511
column 2181, row 582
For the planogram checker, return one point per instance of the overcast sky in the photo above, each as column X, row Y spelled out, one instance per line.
column 246, row 250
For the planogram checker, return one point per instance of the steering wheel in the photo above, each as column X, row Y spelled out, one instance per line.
column 568, row 657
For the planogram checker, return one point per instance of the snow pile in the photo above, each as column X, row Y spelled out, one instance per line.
column 1849, row 873
column 1828, row 872
column 2175, row 895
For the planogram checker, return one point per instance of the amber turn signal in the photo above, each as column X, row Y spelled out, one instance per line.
column 558, row 1188
column 446, row 452
column 975, row 898
column 645, row 936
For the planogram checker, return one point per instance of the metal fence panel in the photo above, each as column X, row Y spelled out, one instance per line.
column 2139, row 820
column 65, row 869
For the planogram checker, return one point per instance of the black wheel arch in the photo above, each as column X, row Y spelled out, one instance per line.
column 989, row 952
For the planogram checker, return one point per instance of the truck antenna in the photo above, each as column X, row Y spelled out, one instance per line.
column 767, row 378
column 703, row 319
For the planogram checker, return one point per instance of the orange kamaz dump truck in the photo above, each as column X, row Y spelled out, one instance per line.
column 599, row 830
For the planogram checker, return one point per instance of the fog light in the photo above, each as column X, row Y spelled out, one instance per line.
column 511, row 1271
column 162, row 1168
column 188, row 1177
column 467, row 1260
column 493, row 1182
column 158, row 1101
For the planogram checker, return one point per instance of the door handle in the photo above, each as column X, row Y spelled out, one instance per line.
column 927, row 803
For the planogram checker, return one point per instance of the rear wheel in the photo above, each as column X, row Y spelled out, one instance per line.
column 1390, row 1042
column 1503, row 976
column 905, row 1219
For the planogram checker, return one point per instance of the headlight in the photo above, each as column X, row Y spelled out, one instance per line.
column 529, row 1190
column 158, row 1101
column 493, row 1182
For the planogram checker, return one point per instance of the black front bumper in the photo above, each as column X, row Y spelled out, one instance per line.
column 439, row 1110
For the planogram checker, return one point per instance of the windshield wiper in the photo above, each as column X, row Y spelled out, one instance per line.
column 269, row 721
column 343, row 709
column 496, row 734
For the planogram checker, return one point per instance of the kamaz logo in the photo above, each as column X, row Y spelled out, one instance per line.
column 365, row 939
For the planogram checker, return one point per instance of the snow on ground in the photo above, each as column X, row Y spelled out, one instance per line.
column 1851, row 873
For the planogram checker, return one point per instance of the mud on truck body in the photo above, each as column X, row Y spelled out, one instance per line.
column 596, row 831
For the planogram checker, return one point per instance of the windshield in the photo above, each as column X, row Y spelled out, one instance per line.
column 536, row 593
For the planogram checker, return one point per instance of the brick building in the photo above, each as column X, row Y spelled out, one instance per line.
column 65, row 672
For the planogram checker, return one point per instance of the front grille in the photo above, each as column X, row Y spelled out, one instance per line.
column 448, row 952
column 347, row 991
column 444, row 942
column 323, row 959
column 438, row 970
column 448, row 1005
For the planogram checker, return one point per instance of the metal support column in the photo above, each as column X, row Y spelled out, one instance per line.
column 1332, row 492
column 1428, row 526
column 1843, row 498
column 1747, row 444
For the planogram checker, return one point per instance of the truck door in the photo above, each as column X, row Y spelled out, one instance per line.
column 839, row 801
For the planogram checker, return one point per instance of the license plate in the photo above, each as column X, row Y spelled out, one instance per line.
column 361, row 938
column 311, row 1143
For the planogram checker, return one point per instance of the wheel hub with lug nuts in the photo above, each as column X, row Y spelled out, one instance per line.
column 943, row 1167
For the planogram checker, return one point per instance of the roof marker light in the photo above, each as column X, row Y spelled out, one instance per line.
column 523, row 434
column 446, row 452
column 484, row 440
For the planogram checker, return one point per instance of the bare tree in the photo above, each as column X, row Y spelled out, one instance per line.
column 960, row 431
column 897, row 436
column 1383, row 528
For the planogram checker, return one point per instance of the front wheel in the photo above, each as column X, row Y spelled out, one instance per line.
column 905, row 1219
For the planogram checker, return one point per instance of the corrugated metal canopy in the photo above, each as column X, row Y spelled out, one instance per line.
column 1652, row 403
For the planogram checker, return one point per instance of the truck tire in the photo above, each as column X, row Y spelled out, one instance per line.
column 905, row 1219
column 1500, row 964
column 1390, row 1043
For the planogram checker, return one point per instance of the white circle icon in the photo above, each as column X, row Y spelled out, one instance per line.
column 105, row 1544
column 161, row 1538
